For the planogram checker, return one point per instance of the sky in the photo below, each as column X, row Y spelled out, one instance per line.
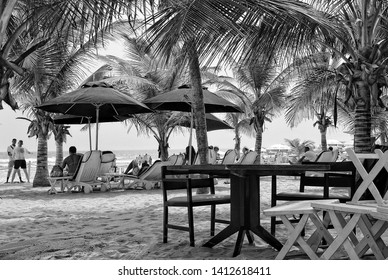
column 115, row 136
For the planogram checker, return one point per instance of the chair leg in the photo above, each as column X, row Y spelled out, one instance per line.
column 273, row 225
column 165, row 222
column 212, row 220
column 191, row 225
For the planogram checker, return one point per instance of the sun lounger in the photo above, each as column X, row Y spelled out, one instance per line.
column 86, row 176
column 108, row 160
column 229, row 157
column 248, row 158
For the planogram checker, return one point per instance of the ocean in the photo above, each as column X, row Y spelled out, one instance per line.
column 123, row 158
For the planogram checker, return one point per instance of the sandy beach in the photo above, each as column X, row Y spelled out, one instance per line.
column 119, row 225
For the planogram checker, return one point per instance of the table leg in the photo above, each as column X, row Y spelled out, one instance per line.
column 344, row 233
column 222, row 235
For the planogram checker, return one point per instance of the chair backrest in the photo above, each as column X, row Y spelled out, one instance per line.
column 107, row 162
column 248, row 158
column 172, row 159
column 229, row 157
column 328, row 156
column 89, row 167
column 180, row 160
column 211, row 157
column 154, row 172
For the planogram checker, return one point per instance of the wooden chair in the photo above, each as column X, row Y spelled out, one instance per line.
column 189, row 201
column 342, row 175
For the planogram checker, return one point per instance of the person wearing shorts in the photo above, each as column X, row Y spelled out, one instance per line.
column 20, row 161
column 11, row 160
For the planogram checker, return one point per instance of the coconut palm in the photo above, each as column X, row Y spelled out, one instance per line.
column 210, row 30
column 313, row 93
column 42, row 20
column 297, row 147
column 256, row 93
column 60, row 132
column 145, row 75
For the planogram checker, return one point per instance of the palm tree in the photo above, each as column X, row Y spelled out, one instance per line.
column 260, row 96
column 145, row 75
column 223, row 29
column 60, row 134
column 313, row 93
column 42, row 20
column 297, row 147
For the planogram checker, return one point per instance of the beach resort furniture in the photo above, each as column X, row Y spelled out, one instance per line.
column 108, row 161
column 295, row 232
column 338, row 183
column 369, row 177
column 248, row 158
column 346, row 218
column 369, row 217
column 211, row 157
column 189, row 201
column 86, row 177
column 245, row 196
column 229, row 157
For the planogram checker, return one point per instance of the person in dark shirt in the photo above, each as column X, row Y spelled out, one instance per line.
column 72, row 161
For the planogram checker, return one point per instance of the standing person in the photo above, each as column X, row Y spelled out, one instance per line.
column 11, row 160
column 20, row 161
column 71, row 161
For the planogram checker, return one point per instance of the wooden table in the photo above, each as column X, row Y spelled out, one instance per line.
column 245, row 196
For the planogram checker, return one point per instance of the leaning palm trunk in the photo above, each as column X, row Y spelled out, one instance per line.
column 199, row 107
column 58, row 152
column 41, row 174
column 258, row 144
column 237, row 143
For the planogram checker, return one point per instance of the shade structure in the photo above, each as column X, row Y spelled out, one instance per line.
column 181, row 99
column 278, row 147
column 212, row 123
column 95, row 99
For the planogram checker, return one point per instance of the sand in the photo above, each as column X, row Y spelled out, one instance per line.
column 118, row 224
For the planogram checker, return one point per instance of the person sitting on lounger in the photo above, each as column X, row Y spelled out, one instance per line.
column 71, row 162
column 307, row 156
column 134, row 169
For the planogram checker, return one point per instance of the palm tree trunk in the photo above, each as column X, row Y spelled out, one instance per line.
column 258, row 143
column 323, row 132
column 237, row 143
column 58, row 152
column 41, row 174
column 163, row 150
column 362, row 135
column 199, row 107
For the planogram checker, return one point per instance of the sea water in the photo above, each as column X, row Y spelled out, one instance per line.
column 123, row 158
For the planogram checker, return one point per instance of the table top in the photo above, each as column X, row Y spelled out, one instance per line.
column 260, row 169
column 344, row 207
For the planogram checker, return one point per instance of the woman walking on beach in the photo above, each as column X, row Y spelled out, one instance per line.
column 20, row 161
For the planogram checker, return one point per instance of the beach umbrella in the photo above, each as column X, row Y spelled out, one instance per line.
column 278, row 147
column 181, row 99
column 71, row 119
column 212, row 123
column 95, row 99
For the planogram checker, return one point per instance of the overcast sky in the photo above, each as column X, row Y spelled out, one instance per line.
column 114, row 136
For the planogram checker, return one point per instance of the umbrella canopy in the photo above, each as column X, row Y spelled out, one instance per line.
column 95, row 99
column 180, row 99
column 71, row 119
column 212, row 123
column 278, row 147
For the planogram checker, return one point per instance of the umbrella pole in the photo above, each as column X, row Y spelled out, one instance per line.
column 90, row 134
column 191, row 134
column 97, row 117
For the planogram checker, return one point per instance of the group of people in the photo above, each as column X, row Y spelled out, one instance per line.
column 17, row 161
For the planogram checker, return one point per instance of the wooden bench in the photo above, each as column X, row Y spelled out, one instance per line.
column 303, row 208
column 341, row 175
